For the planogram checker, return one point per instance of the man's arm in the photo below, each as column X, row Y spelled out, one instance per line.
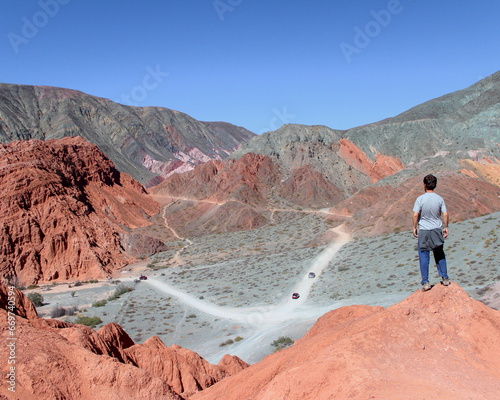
column 446, row 220
column 415, row 223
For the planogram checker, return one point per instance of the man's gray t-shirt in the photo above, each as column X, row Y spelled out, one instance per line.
column 430, row 206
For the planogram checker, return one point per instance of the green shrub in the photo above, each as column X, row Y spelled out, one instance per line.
column 32, row 286
column 99, row 303
column 78, row 283
column 238, row 338
column 119, row 291
column 36, row 299
column 89, row 321
column 282, row 342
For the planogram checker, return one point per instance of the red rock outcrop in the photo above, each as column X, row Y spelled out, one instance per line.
column 62, row 207
column 246, row 180
column 224, row 196
column 379, row 210
column 58, row 360
column 440, row 344
column 488, row 169
column 184, row 370
column 308, row 188
column 382, row 166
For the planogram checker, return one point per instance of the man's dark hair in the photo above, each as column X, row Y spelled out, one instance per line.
column 430, row 182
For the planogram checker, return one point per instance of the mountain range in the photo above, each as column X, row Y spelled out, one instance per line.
column 143, row 142
column 370, row 174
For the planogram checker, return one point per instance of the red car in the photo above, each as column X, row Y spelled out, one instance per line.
column 295, row 296
column 143, row 277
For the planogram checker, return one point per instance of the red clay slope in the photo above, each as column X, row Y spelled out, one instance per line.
column 58, row 360
column 62, row 207
column 440, row 344
column 239, row 194
column 378, row 210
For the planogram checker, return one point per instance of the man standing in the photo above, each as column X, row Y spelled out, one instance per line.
column 428, row 210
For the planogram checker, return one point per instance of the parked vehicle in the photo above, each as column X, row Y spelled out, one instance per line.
column 143, row 277
column 295, row 296
column 312, row 275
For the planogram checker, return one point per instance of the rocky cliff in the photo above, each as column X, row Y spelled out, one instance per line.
column 63, row 205
column 141, row 141
column 59, row 360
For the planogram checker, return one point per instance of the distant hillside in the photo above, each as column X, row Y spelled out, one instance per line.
column 141, row 141
column 229, row 195
column 462, row 124
column 462, row 121
column 370, row 175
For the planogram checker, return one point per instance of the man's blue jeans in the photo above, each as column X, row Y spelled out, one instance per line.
column 439, row 257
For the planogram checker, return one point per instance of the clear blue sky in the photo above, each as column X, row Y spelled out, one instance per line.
column 254, row 63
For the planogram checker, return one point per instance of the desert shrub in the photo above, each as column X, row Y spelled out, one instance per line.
column 78, row 283
column 228, row 341
column 238, row 338
column 61, row 311
column 32, row 286
column 89, row 321
column 121, row 289
column 192, row 316
column 36, row 299
column 73, row 294
column 483, row 290
column 57, row 312
column 99, row 303
column 71, row 310
column 282, row 342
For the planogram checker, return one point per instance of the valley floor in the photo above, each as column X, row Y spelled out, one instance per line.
column 231, row 293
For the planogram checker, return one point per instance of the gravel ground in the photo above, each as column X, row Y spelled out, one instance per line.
column 254, row 271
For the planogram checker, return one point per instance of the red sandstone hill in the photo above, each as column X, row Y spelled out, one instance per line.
column 378, row 210
column 62, row 207
column 233, row 195
column 58, row 360
column 440, row 344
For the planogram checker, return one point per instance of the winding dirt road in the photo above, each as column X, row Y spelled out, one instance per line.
column 266, row 322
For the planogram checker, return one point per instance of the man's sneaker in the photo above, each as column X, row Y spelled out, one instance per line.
column 445, row 282
column 426, row 286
